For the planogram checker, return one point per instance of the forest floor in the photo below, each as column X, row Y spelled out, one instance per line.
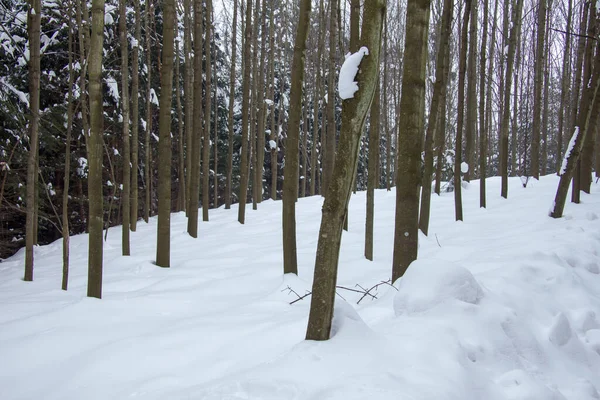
column 505, row 305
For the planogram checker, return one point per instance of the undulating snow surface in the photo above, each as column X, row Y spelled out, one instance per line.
column 505, row 305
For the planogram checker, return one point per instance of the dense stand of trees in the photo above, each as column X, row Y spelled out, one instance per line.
column 237, row 101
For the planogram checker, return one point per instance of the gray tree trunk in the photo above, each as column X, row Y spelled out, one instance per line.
column 125, row 203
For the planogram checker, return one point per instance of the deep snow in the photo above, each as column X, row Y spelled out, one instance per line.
column 505, row 305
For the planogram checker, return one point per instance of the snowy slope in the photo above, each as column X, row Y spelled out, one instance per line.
column 505, row 305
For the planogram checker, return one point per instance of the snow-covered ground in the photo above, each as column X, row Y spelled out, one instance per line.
column 505, row 305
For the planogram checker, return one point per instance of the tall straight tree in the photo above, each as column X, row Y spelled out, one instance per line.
column 330, row 135
column 290, row 172
column 260, row 104
column 228, row 182
column 125, row 203
column 95, row 145
column 540, row 61
column 512, row 44
column 458, row 210
column 163, row 237
column 189, row 96
column 192, row 226
column 135, row 115
column 471, row 125
column 149, row 90
column 245, row 162
column 483, row 131
column 412, row 115
column 566, row 64
column 207, row 116
column 34, row 18
column 373, row 166
column 354, row 114
column 439, row 89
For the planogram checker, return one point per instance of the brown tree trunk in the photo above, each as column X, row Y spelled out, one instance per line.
column 372, row 167
column 228, row 183
column 125, row 203
column 330, row 139
column 188, row 88
column 95, row 145
column 482, row 113
column 566, row 64
column 539, row 62
column 147, row 145
column 354, row 113
column 34, row 18
column 207, row 115
column 181, row 190
column 135, row 117
column 471, row 125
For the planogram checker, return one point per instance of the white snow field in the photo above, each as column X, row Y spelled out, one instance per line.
column 505, row 305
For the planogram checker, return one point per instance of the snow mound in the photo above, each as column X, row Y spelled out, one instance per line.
column 519, row 385
column 560, row 332
column 428, row 283
column 345, row 315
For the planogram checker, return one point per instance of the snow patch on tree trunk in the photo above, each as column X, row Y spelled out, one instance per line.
column 346, row 85
column 563, row 167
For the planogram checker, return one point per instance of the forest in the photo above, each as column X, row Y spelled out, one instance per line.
column 173, row 149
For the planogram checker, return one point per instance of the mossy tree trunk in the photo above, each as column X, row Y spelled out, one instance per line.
column 354, row 113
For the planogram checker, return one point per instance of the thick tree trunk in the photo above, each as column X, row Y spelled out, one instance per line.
column 125, row 203
column 412, row 115
column 439, row 89
column 330, row 139
column 354, row 113
column 163, row 236
column 34, row 17
column 181, row 189
column 566, row 64
column 95, row 145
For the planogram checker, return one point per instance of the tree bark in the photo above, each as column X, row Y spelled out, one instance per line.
column 482, row 112
column 471, row 125
column 354, row 113
column 125, row 202
column 540, row 61
column 373, row 164
column 34, row 18
column 95, row 145
column 228, row 183
column 135, row 117
column 207, row 116
column 147, row 145
column 330, row 139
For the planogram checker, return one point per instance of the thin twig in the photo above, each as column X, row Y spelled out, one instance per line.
column 436, row 239
column 574, row 34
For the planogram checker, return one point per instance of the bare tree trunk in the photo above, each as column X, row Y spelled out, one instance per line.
column 260, row 103
column 228, row 183
column 482, row 114
column 314, row 166
column 34, row 18
column 410, row 132
column 95, row 145
column 564, row 89
column 354, row 113
column 290, row 178
column 547, row 84
column 188, row 88
column 459, row 120
column 125, row 203
column 329, row 151
column 439, row 89
column 194, row 199
column 514, row 32
column 273, row 137
column 147, row 146
column 589, row 96
column 373, row 165
column 215, row 129
column 471, row 125
column 163, row 236
column 135, row 117
column 245, row 165
column 540, row 61
column 181, row 189
column 207, row 116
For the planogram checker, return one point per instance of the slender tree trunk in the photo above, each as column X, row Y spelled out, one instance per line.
column 566, row 64
column 547, row 84
column 163, row 236
column 314, row 166
column 482, row 113
column 34, row 17
column 354, row 113
column 194, row 199
column 207, row 116
column 228, row 183
column 329, row 151
column 514, row 32
column 290, row 177
column 147, row 148
column 260, row 103
column 125, row 203
column 181, row 189
column 373, row 165
column 65, row 198
column 458, row 210
column 135, row 117
column 539, row 62
column 215, row 129
column 471, row 125
column 95, row 145
column 273, row 137
column 245, row 164
column 189, row 98
column 439, row 89
column 410, row 132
